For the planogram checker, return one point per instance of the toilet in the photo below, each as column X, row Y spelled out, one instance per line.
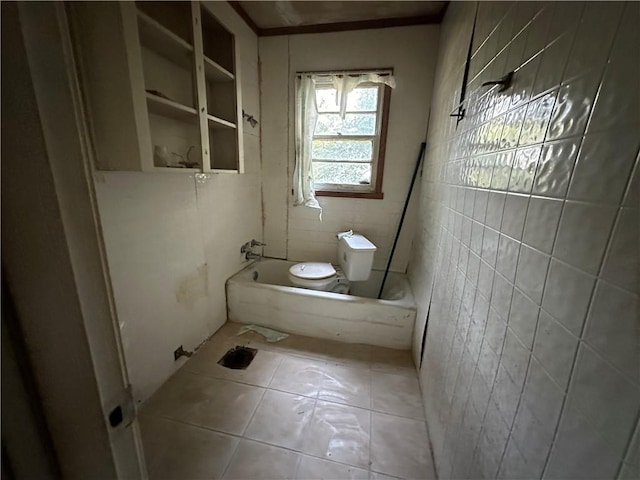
column 355, row 256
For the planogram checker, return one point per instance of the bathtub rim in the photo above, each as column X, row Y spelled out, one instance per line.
column 408, row 301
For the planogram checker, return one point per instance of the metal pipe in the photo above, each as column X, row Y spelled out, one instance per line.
column 404, row 212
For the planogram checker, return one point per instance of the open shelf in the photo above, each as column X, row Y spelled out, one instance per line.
column 163, row 41
column 162, row 84
column 174, row 16
column 216, row 73
column 223, row 145
column 169, row 108
column 217, row 41
column 215, row 122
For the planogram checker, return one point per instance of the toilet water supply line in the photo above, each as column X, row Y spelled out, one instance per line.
column 404, row 212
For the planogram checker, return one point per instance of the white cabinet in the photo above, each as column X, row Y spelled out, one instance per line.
column 161, row 85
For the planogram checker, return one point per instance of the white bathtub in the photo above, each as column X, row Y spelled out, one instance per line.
column 260, row 294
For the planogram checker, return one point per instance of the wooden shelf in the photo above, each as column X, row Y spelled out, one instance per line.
column 180, row 51
column 164, row 42
column 169, row 108
column 215, row 72
column 215, row 122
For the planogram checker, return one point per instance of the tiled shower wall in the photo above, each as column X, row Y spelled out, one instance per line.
column 529, row 235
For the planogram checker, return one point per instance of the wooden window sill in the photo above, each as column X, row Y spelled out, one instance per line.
column 331, row 193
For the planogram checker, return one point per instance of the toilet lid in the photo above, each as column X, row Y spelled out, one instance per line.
column 312, row 270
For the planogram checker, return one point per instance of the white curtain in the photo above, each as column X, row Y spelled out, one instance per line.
column 305, row 119
column 344, row 84
column 306, row 116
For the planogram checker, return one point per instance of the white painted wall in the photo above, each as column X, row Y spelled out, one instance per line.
column 295, row 233
column 174, row 238
column 531, row 362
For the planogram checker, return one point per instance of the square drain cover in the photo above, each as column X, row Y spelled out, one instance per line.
column 238, row 358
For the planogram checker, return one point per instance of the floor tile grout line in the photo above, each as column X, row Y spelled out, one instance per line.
column 275, row 370
column 370, row 462
column 243, row 434
column 315, row 396
column 253, row 414
column 298, row 463
column 627, row 449
column 226, row 379
column 390, row 368
column 250, row 439
column 230, row 461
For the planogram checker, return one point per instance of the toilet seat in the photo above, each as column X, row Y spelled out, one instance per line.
column 312, row 270
column 313, row 275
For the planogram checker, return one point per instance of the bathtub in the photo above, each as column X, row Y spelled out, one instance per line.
column 261, row 294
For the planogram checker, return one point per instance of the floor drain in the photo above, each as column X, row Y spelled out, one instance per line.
column 238, row 358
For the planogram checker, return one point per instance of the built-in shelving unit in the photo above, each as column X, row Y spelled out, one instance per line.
column 160, row 77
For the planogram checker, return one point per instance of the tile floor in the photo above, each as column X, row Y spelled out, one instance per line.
column 304, row 409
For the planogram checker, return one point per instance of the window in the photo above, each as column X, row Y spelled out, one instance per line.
column 347, row 152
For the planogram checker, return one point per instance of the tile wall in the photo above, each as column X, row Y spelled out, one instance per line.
column 528, row 232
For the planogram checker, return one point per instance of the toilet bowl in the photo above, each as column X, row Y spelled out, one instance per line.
column 318, row 276
column 355, row 254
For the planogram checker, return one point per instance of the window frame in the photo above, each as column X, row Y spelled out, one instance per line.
column 374, row 189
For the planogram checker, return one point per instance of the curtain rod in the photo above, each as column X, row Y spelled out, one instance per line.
column 351, row 73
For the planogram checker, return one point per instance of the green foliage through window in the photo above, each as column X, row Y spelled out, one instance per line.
column 343, row 148
column 351, row 150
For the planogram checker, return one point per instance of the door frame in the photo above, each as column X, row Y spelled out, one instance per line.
column 54, row 256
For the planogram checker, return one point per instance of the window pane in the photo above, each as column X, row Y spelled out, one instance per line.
column 363, row 98
column 353, row 124
column 354, row 150
column 326, row 100
column 342, row 173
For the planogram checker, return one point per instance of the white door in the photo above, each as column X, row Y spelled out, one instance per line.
column 53, row 253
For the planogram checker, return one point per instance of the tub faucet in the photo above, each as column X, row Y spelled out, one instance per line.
column 250, row 244
column 252, row 256
column 248, row 253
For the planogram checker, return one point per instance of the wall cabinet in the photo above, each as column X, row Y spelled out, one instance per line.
column 161, row 84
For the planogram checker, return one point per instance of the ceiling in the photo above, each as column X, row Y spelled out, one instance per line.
column 280, row 17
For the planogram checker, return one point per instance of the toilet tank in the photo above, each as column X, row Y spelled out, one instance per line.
column 355, row 254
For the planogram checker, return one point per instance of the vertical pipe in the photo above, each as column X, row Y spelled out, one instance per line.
column 404, row 212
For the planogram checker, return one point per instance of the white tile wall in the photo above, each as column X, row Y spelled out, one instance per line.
column 541, row 182
column 173, row 239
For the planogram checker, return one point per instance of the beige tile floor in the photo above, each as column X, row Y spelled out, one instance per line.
column 304, row 409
